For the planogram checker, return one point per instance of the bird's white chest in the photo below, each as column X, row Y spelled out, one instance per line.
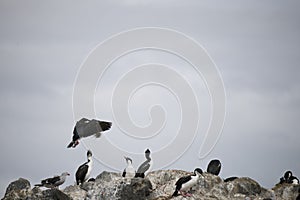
column 61, row 181
column 295, row 181
column 150, row 168
column 130, row 171
column 88, row 173
column 186, row 186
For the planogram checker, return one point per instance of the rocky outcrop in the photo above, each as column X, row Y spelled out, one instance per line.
column 21, row 189
column 158, row 185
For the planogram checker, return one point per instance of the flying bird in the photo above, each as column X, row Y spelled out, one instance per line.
column 54, row 182
column 86, row 128
column 83, row 172
column 185, row 183
column 129, row 171
column 146, row 166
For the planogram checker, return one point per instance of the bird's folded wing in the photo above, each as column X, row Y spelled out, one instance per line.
column 51, row 180
column 81, row 171
column 143, row 167
column 183, row 180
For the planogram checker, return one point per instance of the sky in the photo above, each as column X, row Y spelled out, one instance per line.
column 255, row 46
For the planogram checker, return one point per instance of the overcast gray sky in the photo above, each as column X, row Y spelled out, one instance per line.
column 255, row 45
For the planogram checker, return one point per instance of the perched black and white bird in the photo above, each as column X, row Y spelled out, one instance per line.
column 214, row 167
column 129, row 171
column 54, row 182
column 289, row 178
column 184, row 184
column 86, row 128
column 146, row 166
column 84, row 170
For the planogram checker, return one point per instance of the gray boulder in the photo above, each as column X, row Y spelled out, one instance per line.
column 157, row 185
column 286, row 191
column 18, row 189
column 21, row 189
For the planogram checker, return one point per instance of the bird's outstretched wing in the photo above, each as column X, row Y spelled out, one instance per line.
column 105, row 125
column 86, row 128
column 74, row 138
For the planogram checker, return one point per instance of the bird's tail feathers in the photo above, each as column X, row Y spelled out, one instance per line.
column 175, row 193
column 141, row 175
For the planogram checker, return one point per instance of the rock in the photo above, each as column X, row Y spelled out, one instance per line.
column 245, row 186
column 54, row 194
column 163, row 182
column 139, row 188
column 20, row 184
column 17, row 189
column 21, row 189
column 158, row 185
column 75, row 192
column 107, row 176
column 286, row 191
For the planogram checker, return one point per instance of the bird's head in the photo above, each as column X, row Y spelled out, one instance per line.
column 65, row 174
column 89, row 153
column 198, row 171
column 128, row 159
column 147, row 154
column 287, row 175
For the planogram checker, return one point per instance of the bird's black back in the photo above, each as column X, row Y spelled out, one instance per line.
column 81, row 172
column 181, row 181
column 51, row 181
column 214, row 167
column 144, row 167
